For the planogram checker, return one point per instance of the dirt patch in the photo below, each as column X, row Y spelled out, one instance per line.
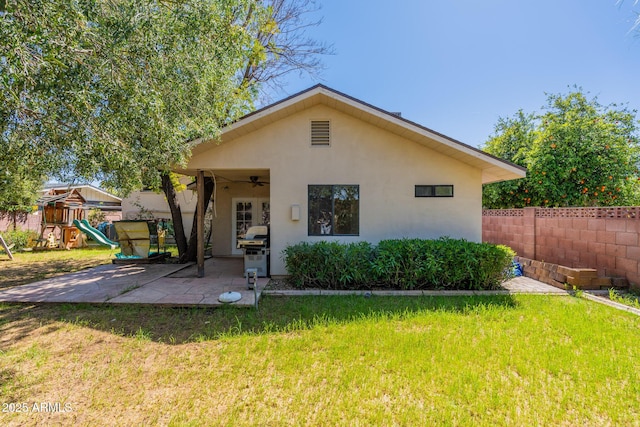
column 279, row 285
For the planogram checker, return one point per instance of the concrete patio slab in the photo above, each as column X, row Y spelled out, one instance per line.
column 93, row 285
column 178, row 285
column 159, row 284
column 528, row 285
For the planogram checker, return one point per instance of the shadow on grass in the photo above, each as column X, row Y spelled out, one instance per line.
column 275, row 315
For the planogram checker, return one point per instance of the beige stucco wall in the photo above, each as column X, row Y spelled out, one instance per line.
column 384, row 165
column 156, row 204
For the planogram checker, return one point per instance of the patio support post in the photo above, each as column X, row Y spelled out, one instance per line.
column 200, row 222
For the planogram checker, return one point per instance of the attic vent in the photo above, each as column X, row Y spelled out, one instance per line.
column 320, row 134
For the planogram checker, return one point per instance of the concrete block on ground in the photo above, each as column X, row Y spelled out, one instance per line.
column 567, row 271
column 524, row 261
column 586, row 272
column 579, row 281
column 582, row 283
column 619, row 282
column 572, row 281
column 557, row 284
column 601, row 282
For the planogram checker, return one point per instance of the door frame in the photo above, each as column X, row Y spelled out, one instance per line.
column 256, row 217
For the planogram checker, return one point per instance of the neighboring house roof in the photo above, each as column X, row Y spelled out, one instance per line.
column 493, row 169
column 59, row 186
column 103, row 199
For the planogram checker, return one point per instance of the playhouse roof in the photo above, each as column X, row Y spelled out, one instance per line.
column 66, row 198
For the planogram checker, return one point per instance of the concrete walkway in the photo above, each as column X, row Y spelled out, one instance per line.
column 518, row 285
column 178, row 285
column 157, row 284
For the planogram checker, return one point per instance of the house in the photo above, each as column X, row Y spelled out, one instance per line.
column 149, row 204
column 323, row 165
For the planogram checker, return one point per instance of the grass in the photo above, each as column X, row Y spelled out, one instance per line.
column 630, row 298
column 490, row 360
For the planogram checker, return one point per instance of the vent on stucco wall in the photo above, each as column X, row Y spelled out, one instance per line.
column 320, row 133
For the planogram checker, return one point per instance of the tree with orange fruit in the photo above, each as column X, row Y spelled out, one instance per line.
column 578, row 153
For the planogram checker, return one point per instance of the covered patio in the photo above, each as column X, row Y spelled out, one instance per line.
column 240, row 200
column 175, row 285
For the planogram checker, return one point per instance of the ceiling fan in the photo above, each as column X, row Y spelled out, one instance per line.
column 255, row 180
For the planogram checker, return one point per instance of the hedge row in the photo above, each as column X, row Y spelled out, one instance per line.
column 404, row 264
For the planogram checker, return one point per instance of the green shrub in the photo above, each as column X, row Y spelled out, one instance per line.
column 20, row 238
column 405, row 263
column 96, row 216
column 329, row 265
column 444, row 263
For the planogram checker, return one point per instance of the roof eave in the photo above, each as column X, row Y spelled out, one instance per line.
column 493, row 169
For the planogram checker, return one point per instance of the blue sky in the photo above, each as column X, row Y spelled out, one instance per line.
column 456, row 66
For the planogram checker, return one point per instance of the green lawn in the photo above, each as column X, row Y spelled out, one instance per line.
column 501, row 360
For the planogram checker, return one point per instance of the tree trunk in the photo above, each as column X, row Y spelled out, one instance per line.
column 176, row 216
column 192, row 248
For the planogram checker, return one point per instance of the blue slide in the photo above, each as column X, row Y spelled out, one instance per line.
column 95, row 234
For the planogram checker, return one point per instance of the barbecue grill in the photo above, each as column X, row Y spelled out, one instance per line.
column 255, row 246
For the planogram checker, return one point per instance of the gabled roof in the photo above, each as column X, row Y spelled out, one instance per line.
column 68, row 187
column 67, row 198
column 493, row 168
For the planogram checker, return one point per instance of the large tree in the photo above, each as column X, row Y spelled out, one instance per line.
column 512, row 140
column 578, row 153
column 40, row 46
column 118, row 90
column 285, row 45
column 18, row 189
column 115, row 90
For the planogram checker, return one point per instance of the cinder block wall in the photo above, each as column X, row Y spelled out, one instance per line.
column 511, row 227
column 605, row 239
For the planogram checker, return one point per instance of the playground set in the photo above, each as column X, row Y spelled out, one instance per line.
column 59, row 209
column 64, row 226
